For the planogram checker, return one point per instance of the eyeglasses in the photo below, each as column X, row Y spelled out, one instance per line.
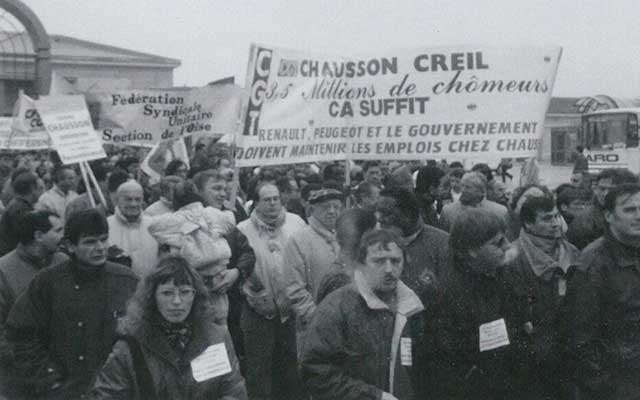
column 183, row 294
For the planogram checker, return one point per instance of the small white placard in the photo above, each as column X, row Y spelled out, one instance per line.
column 69, row 125
column 562, row 287
column 493, row 335
column 405, row 352
column 211, row 363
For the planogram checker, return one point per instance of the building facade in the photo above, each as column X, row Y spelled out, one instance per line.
column 79, row 64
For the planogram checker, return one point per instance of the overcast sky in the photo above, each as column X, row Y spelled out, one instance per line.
column 601, row 39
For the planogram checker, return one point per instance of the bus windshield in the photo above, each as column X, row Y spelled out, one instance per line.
column 610, row 130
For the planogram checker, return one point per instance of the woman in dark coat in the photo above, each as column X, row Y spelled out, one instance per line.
column 171, row 349
column 473, row 360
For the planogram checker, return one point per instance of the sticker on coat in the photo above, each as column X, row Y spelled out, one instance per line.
column 213, row 362
column 493, row 335
column 405, row 352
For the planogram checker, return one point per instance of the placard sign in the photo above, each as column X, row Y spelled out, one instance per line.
column 68, row 123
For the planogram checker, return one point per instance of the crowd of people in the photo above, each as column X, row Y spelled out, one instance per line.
column 405, row 281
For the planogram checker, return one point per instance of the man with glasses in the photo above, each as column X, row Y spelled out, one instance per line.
column 269, row 333
column 308, row 255
column 62, row 328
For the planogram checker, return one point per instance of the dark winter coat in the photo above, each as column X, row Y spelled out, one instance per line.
column 348, row 349
column 587, row 227
column 426, row 260
column 538, row 311
column 169, row 370
column 63, row 327
column 604, row 320
column 462, row 371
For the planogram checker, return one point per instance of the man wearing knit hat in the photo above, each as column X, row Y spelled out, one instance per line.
column 309, row 253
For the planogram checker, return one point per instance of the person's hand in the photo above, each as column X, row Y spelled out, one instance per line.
column 227, row 279
column 388, row 396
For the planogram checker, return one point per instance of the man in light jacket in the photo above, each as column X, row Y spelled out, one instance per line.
column 308, row 255
column 269, row 333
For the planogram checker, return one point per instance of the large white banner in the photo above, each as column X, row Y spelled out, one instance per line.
column 68, row 123
column 454, row 103
column 5, row 132
column 145, row 117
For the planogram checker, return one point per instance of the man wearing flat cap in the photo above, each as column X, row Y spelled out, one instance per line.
column 309, row 253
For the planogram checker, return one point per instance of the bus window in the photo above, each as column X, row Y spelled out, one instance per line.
column 632, row 131
column 607, row 131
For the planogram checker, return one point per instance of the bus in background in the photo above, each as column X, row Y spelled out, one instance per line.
column 610, row 139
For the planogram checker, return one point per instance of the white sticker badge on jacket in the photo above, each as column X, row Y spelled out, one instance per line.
column 493, row 335
column 405, row 352
column 562, row 287
column 211, row 363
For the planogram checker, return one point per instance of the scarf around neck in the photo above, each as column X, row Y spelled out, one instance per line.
column 270, row 223
column 545, row 254
column 178, row 334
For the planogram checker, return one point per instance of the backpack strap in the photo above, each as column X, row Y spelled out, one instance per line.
column 140, row 368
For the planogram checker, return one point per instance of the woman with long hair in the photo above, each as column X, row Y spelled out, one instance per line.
column 170, row 346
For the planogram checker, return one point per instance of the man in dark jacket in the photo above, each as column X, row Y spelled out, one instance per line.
column 580, row 161
column 587, row 227
column 537, row 280
column 39, row 235
column 427, row 254
column 366, row 339
column 604, row 301
column 26, row 189
column 63, row 327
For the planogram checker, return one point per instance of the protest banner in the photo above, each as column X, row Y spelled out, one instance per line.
column 5, row 132
column 454, row 102
column 145, row 117
column 68, row 123
column 26, row 131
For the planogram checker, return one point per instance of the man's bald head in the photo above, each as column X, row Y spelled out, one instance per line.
column 130, row 198
column 130, row 186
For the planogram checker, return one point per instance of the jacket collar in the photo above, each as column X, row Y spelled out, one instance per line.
column 412, row 237
column 36, row 260
column 22, row 199
column 623, row 255
column 408, row 302
column 321, row 230
column 86, row 274
column 59, row 191
column 542, row 264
